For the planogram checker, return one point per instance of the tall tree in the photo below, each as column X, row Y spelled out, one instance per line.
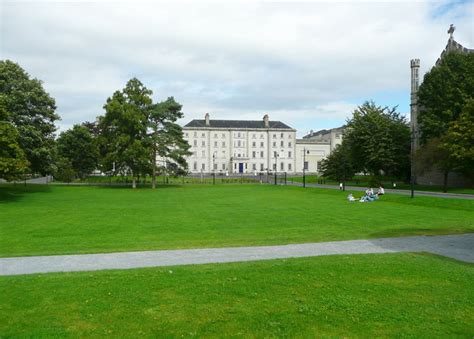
column 339, row 165
column 431, row 155
column 77, row 145
column 444, row 92
column 166, row 138
column 458, row 141
column 32, row 113
column 378, row 139
column 124, row 126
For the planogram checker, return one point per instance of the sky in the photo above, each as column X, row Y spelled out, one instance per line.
column 308, row 64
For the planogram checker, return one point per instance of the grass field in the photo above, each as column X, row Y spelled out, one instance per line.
column 42, row 220
column 397, row 295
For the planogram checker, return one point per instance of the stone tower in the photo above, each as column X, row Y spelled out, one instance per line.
column 415, row 71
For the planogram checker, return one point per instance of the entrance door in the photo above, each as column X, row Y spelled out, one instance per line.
column 241, row 167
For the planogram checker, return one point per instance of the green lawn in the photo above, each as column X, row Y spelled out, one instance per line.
column 384, row 295
column 364, row 181
column 58, row 219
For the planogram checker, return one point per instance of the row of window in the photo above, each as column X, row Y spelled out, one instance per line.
column 236, row 167
column 255, row 154
column 238, row 135
column 242, row 144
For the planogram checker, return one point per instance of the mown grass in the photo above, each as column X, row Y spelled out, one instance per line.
column 368, row 181
column 40, row 220
column 383, row 295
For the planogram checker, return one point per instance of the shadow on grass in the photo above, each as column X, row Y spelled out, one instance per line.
column 15, row 192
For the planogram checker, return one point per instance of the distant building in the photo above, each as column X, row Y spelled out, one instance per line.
column 315, row 146
column 240, row 146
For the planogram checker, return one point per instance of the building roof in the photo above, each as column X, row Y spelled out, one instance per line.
column 250, row 124
column 321, row 132
column 453, row 45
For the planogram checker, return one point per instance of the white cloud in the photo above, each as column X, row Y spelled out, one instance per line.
column 305, row 63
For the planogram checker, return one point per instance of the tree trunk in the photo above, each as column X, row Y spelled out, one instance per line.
column 445, row 182
column 153, row 178
column 134, row 181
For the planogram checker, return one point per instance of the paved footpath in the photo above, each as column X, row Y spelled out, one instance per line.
column 460, row 247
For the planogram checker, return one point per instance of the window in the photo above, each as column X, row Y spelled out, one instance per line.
column 289, row 154
column 223, row 136
column 289, row 136
column 239, row 143
column 186, row 134
column 254, row 136
column 261, row 167
column 282, row 166
column 203, row 143
column 274, row 167
column 238, row 155
column 195, row 143
column 262, row 144
column 281, row 135
column 223, row 144
column 195, row 166
column 254, row 144
column 262, row 136
column 223, row 166
column 239, row 135
column 281, row 143
column 215, row 143
column 253, row 154
column 254, row 167
column 195, row 134
column 274, row 144
column 235, row 166
column 306, row 166
column 318, row 165
column 203, row 154
column 338, row 136
column 203, row 166
column 289, row 144
column 215, row 166
column 289, row 167
column 215, row 135
column 223, row 154
column 203, row 135
column 261, row 154
column 274, row 136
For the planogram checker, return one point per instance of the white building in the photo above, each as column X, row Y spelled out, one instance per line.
column 316, row 146
column 254, row 146
column 240, row 146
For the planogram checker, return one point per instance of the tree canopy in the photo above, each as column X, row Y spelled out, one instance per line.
column 445, row 90
column 30, row 110
column 378, row 139
column 77, row 145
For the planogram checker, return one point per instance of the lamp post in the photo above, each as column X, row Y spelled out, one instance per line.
column 213, row 168
column 304, row 167
column 276, row 167
column 412, row 160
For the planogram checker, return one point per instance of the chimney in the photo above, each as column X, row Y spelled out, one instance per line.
column 265, row 121
column 206, row 117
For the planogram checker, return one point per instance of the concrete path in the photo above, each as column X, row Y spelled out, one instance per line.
column 460, row 247
column 393, row 191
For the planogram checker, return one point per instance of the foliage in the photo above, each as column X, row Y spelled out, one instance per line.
column 431, row 155
column 89, row 219
column 339, row 164
column 443, row 94
column 134, row 132
column 458, row 141
column 64, row 170
column 32, row 112
column 12, row 158
column 166, row 137
column 123, row 139
column 77, row 145
column 378, row 139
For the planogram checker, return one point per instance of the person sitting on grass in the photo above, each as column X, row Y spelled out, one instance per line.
column 350, row 197
column 380, row 191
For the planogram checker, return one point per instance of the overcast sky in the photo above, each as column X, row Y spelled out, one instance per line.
column 307, row 63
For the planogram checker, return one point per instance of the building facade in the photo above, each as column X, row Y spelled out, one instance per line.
column 240, row 146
